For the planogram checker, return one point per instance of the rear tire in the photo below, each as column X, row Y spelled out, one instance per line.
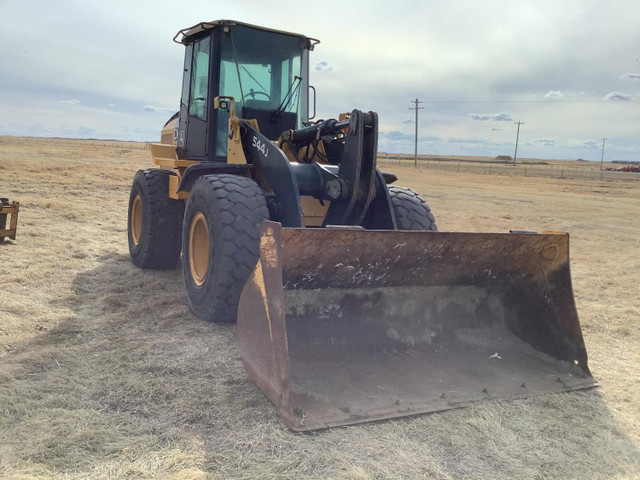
column 154, row 221
column 411, row 211
column 221, row 243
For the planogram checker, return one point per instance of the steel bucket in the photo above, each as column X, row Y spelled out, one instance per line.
column 343, row 326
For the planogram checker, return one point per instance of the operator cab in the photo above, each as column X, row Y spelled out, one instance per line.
column 265, row 70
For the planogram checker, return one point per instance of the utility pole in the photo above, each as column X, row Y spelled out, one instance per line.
column 415, row 152
column 602, row 156
column 515, row 154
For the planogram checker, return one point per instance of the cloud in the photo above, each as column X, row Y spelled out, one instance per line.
column 545, row 142
column 617, row 97
column 591, row 144
column 539, row 77
column 395, row 135
column 630, row 76
column 38, row 130
column 151, row 108
column 323, row 67
column 496, row 117
column 83, row 131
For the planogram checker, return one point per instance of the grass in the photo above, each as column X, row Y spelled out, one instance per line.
column 105, row 373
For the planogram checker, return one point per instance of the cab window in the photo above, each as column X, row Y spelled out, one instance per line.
column 200, row 79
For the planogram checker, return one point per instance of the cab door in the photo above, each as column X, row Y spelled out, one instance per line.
column 195, row 106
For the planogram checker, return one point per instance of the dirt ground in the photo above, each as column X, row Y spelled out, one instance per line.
column 105, row 373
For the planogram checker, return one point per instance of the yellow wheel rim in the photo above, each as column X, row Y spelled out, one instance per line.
column 136, row 220
column 199, row 248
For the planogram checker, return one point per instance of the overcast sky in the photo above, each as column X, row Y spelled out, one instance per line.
column 570, row 70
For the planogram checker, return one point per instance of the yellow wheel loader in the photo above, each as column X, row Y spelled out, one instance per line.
column 350, row 305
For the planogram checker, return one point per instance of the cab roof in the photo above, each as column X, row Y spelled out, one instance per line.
column 184, row 35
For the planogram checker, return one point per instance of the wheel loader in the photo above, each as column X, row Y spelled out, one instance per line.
column 350, row 305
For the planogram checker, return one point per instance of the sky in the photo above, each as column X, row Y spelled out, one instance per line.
column 568, row 69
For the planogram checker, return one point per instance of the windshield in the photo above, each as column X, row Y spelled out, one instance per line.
column 262, row 70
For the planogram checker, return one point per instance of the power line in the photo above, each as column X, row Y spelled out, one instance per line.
column 415, row 154
column 405, row 118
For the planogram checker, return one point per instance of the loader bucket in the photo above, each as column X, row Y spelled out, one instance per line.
column 342, row 326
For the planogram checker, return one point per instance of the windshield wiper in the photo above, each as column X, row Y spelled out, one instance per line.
column 293, row 88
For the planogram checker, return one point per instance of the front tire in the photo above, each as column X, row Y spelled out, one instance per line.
column 221, row 243
column 154, row 221
column 410, row 210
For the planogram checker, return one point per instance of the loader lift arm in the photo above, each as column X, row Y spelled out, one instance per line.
column 351, row 187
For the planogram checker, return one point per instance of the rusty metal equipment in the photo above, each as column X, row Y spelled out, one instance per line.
column 343, row 326
column 8, row 210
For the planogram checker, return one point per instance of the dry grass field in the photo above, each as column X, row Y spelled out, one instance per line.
column 105, row 373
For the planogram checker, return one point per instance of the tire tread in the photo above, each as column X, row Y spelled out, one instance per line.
column 411, row 210
column 160, row 242
column 238, row 206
